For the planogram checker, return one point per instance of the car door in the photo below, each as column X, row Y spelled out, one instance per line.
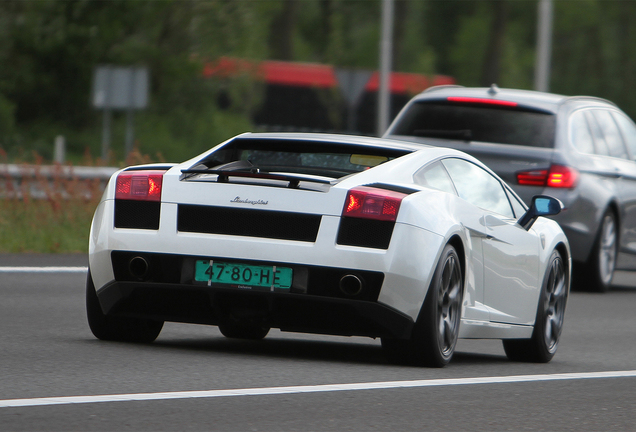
column 510, row 253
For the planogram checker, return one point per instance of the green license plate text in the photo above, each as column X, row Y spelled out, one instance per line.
column 242, row 274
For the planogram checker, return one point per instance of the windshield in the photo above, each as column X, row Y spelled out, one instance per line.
column 306, row 157
column 478, row 122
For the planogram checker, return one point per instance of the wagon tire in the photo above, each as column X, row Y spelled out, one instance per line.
column 113, row 328
column 597, row 274
column 542, row 346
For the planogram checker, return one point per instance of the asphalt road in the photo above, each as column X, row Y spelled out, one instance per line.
column 52, row 369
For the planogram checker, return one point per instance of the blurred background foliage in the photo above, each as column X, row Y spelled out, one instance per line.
column 49, row 49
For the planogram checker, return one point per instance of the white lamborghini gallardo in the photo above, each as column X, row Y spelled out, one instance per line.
column 329, row 234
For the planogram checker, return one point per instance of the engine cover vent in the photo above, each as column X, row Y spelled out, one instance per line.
column 248, row 222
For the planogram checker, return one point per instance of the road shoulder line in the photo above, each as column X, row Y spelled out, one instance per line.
column 264, row 391
column 48, row 269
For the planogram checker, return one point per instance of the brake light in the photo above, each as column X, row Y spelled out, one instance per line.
column 562, row 177
column 484, row 101
column 139, row 185
column 371, row 203
column 558, row 176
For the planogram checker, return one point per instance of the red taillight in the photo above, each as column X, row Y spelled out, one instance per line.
column 371, row 203
column 532, row 178
column 558, row 176
column 485, row 101
column 139, row 185
column 562, row 177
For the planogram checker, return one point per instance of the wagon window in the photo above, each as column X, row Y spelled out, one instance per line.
column 478, row 122
column 611, row 134
column 580, row 135
column 628, row 130
column 600, row 145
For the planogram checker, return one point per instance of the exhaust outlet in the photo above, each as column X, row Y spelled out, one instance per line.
column 138, row 267
column 350, row 285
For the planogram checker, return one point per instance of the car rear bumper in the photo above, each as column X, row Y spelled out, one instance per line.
column 306, row 313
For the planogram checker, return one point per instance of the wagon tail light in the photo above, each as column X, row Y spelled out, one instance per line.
column 558, row 176
column 139, row 185
column 371, row 203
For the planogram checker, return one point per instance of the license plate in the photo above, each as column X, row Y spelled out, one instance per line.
column 242, row 274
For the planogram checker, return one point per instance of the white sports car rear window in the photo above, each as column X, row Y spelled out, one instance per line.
column 316, row 158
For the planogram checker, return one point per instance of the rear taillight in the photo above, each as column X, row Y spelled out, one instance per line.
column 557, row 176
column 139, row 185
column 562, row 177
column 533, row 178
column 371, row 203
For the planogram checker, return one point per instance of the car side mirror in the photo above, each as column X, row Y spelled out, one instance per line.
column 542, row 205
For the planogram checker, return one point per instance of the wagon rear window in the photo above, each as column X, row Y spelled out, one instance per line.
column 479, row 122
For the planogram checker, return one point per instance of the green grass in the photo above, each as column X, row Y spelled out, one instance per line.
column 57, row 222
column 45, row 227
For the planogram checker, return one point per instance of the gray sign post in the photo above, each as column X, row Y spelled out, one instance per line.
column 544, row 46
column 119, row 88
column 386, row 59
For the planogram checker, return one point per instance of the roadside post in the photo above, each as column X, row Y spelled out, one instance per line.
column 119, row 88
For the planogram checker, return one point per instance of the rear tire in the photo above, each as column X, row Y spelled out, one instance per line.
column 596, row 275
column 113, row 328
column 549, row 321
column 436, row 330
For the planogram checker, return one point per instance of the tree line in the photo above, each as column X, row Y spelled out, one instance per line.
column 49, row 49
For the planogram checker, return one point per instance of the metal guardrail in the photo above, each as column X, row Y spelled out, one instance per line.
column 43, row 181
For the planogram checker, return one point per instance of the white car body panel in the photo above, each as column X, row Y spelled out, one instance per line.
column 511, row 271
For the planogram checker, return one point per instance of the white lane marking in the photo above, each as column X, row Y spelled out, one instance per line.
column 6, row 403
column 51, row 269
